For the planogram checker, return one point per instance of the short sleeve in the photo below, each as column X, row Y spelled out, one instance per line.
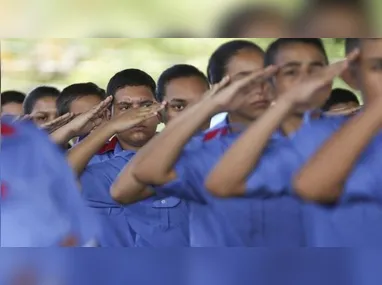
column 274, row 172
column 96, row 181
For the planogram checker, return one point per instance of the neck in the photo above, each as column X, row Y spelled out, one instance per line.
column 235, row 119
column 291, row 124
column 128, row 146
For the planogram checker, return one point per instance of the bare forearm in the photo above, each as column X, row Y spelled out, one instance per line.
column 62, row 136
column 126, row 189
column 229, row 176
column 155, row 161
column 80, row 155
column 323, row 177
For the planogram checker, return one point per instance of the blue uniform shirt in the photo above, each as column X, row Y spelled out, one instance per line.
column 153, row 222
column 214, row 222
column 355, row 221
column 41, row 205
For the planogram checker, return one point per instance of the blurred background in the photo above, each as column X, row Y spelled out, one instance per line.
column 189, row 18
column 27, row 63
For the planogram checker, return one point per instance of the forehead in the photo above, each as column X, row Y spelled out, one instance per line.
column 371, row 48
column 84, row 102
column 133, row 94
column 185, row 88
column 245, row 61
column 45, row 104
column 298, row 52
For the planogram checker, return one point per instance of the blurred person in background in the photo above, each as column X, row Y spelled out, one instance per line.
column 236, row 59
column 41, row 104
column 40, row 201
column 333, row 19
column 341, row 101
column 153, row 222
column 181, row 86
column 254, row 22
column 12, row 103
column 343, row 178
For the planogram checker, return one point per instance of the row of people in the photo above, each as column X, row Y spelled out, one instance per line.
column 181, row 187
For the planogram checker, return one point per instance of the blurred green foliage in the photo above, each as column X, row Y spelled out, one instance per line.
column 97, row 60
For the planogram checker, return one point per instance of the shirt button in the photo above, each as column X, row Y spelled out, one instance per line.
column 163, row 201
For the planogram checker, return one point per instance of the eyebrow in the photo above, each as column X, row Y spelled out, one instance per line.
column 137, row 101
column 176, row 100
column 297, row 63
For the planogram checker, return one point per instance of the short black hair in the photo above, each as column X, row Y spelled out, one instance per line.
column 218, row 61
column 76, row 91
column 12, row 96
column 37, row 94
column 238, row 20
column 339, row 96
column 274, row 48
column 130, row 77
column 351, row 44
column 175, row 72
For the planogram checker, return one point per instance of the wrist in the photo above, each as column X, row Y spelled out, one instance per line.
column 211, row 106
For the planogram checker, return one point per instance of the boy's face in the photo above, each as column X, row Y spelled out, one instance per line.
column 131, row 97
column 298, row 61
column 241, row 64
column 370, row 69
column 182, row 93
column 44, row 110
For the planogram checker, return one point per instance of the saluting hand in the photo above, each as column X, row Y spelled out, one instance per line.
column 57, row 123
column 230, row 95
column 303, row 94
column 84, row 123
column 135, row 116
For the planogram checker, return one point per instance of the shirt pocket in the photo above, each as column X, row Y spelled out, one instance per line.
column 173, row 212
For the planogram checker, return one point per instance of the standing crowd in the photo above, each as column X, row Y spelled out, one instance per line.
column 294, row 163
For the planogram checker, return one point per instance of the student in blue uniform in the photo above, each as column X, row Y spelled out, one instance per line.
column 153, row 222
column 40, row 202
column 264, row 168
column 180, row 86
column 235, row 58
column 343, row 178
column 79, row 98
column 239, row 58
column 41, row 104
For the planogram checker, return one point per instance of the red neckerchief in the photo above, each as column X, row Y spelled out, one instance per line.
column 109, row 146
column 215, row 133
column 3, row 191
column 7, row 130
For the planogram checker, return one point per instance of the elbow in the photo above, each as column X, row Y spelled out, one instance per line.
column 118, row 195
column 316, row 192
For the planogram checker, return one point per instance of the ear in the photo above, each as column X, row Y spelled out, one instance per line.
column 350, row 77
column 107, row 114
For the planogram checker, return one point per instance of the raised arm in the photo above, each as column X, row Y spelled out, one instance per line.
column 322, row 179
column 80, row 155
column 230, row 174
column 155, row 162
